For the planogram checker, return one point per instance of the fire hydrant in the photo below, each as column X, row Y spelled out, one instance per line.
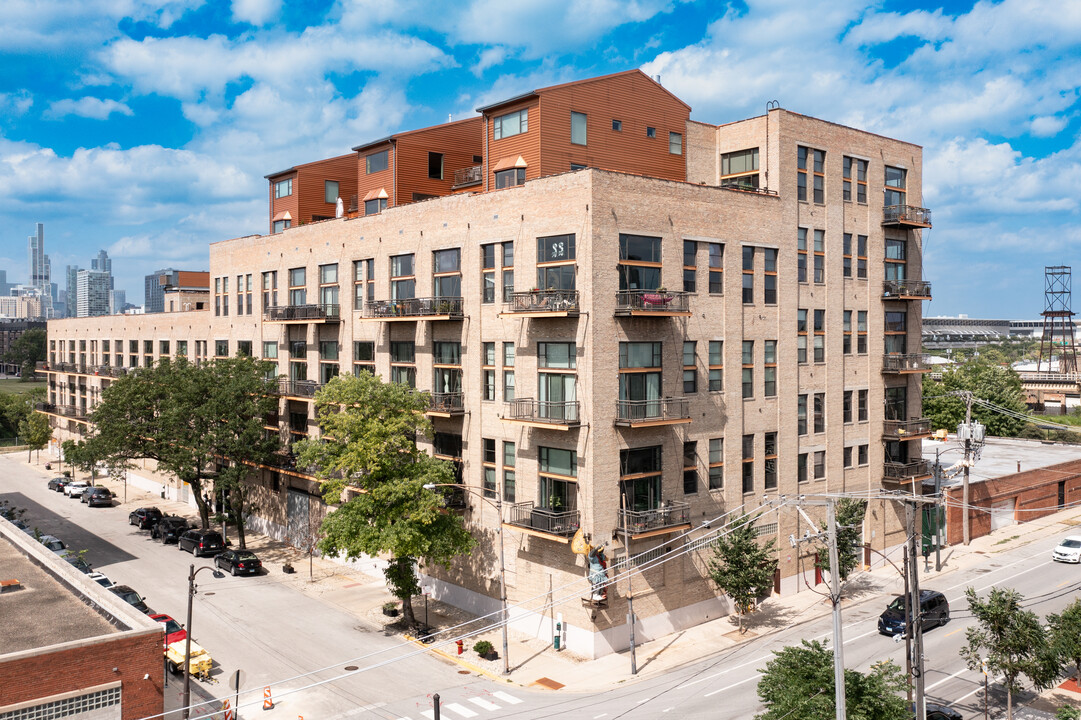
column 461, row 647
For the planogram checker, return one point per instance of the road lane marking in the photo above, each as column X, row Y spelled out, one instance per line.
column 953, row 632
column 753, row 677
column 932, row 686
column 460, row 710
column 1068, row 582
column 600, row 716
column 481, row 702
column 872, row 632
column 508, row 698
column 726, row 670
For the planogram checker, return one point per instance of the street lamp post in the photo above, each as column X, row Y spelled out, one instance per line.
column 498, row 505
column 192, row 572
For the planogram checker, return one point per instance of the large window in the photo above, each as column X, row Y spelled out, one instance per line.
column 675, row 143
column 556, row 380
column 487, row 371
column 403, row 363
column 748, row 464
column 283, row 188
column 716, row 365
column 298, row 293
column 769, row 372
column 771, row 461
column 363, row 356
column 639, row 379
column 375, row 206
column 578, row 128
column 769, row 278
column 639, row 262
column 748, row 369
column 435, row 166
column 509, row 178
column 447, row 370
column 716, row 269
column 896, row 256
column 690, row 368
column 801, row 255
column 556, row 262
column 895, row 332
column 748, row 275
column 488, row 467
column 640, row 478
column 895, row 190
column 508, row 371
column 328, row 288
column 558, row 488
column 820, row 336
column 403, row 283
column 363, row 282
column 855, row 171
column 690, row 260
column 511, row 124
column 740, row 169
column 820, row 256
column 690, row 468
column 447, row 273
column 376, row 162
column 330, row 191
column 716, row 464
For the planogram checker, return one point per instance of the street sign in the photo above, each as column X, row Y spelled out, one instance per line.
column 237, row 680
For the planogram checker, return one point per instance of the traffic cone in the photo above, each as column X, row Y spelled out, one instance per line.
column 268, row 703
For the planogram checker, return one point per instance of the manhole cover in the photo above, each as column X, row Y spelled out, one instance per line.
column 464, row 672
column 350, row 668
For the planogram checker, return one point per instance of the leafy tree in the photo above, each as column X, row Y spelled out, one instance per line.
column 798, row 683
column 17, row 407
column 81, row 455
column 1066, row 635
column 36, row 433
column 367, row 444
column 1011, row 638
column 741, row 566
column 850, row 514
column 996, row 384
column 27, row 350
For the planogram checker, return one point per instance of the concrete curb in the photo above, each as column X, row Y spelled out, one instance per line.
column 458, row 661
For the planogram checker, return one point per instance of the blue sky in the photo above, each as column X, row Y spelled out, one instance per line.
column 145, row 128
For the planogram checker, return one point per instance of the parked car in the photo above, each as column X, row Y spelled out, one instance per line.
column 169, row 528
column 75, row 489
column 174, row 631
column 79, row 564
column 239, row 562
column 940, row 712
column 131, row 597
column 201, row 542
column 53, row 543
column 144, row 518
column 58, row 483
column 97, row 497
column 933, row 608
column 100, row 579
column 1069, row 550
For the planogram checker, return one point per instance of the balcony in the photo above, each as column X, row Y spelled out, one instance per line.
column 46, row 407
column 651, row 303
column 467, row 177
column 446, row 404
column 905, row 364
column 906, row 290
column 542, row 413
column 541, row 303
column 906, row 429
column 905, row 473
column 301, row 389
column 113, row 371
column 650, row 413
column 431, row 308
column 907, row 216
column 557, row 525
column 317, row 313
column 668, row 517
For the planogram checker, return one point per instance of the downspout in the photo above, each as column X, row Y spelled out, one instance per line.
column 394, row 184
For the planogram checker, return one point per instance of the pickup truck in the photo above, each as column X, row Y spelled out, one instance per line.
column 201, row 661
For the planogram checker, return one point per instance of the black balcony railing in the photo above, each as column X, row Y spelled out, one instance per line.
column 561, row 523
column 468, row 176
column 906, row 429
column 632, row 412
column 906, row 215
column 542, row 411
column 46, row 407
column 303, row 313
column 643, row 302
column 117, row 371
column 908, row 363
column 414, row 307
column 543, row 301
column 447, row 402
column 892, row 289
column 298, row 388
column 906, row 472
column 669, row 513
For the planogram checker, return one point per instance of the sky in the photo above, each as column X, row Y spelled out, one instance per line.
column 146, row 127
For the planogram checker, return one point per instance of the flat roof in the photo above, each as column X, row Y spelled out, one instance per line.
column 1002, row 456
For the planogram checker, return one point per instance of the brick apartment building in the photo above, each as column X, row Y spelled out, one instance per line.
column 609, row 303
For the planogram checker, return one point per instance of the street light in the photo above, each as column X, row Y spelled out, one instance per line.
column 498, row 505
column 192, row 572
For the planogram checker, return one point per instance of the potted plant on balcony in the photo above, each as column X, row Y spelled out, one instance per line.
column 485, row 650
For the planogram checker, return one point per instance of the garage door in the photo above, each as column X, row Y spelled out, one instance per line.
column 1002, row 514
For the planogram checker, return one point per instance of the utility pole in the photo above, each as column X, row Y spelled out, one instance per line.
column 938, row 513
column 908, row 620
column 835, row 598
column 916, row 616
column 964, row 488
column 630, row 591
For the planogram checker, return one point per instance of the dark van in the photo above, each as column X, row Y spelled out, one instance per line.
column 933, row 607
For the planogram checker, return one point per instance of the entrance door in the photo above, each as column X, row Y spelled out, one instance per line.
column 1002, row 514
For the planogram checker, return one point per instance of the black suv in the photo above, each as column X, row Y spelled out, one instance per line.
column 933, row 607
column 169, row 529
column 97, row 496
column 201, row 542
column 144, row 518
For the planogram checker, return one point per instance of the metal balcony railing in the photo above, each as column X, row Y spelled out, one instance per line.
column 908, row 363
column 303, row 313
column 672, row 409
column 669, row 513
column 542, row 301
column 561, row 523
column 906, row 472
column 906, row 215
column 414, row 307
column 644, row 302
column 892, row 289
column 542, row 411
column 298, row 388
column 468, row 176
column 447, row 402
column 46, row 407
column 906, row 429
column 117, row 371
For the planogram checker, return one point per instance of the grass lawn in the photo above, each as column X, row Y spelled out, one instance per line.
column 14, row 386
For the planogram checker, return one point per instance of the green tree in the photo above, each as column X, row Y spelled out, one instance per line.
column 850, row 514
column 798, row 683
column 986, row 380
column 367, row 444
column 741, row 566
column 27, row 350
column 36, row 433
column 81, row 456
column 1066, row 635
column 17, row 407
column 1012, row 640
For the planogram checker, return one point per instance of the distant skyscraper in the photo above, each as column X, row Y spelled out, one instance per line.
column 154, row 298
column 71, row 300
column 5, row 286
column 102, row 263
column 117, row 300
column 93, row 289
column 40, row 270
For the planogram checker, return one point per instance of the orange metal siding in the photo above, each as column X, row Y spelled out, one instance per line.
column 382, row 179
column 311, row 194
column 527, row 144
column 284, row 204
column 193, row 279
column 458, row 141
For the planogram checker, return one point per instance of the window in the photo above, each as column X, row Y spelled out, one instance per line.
column 248, row 287
column 716, row 464
column 376, row 162
column 895, row 186
column 748, row 369
column 578, row 128
column 847, row 340
column 820, row 412
column 771, row 461
column 640, row 478
column 801, row 414
column 801, row 255
column 298, row 360
column 556, row 355
column 740, row 169
column 639, row 262
column 435, row 166
column 863, row 454
column 819, row 168
column 558, row 474
column 617, row 125
column 639, row 380
column 402, row 363
column 447, row 273
column 769, row 286
column 896, row 405
column 487, row 267
column 239, row 295
column 716, row 366
column 861, row 332
column 375, row 206
column 820, row 257
column 861, row 256
column 163, row 348
column 820, row 336
column 511, row 124
column 801, row 336
column 896, row 256
column 508, row 471
column 675, row 143
column 403, row 283
column 330, row 191
column 895, row 333
column 280, row 225
column 298, row 294
column 556, row 262
column 328, row 289
column 651, row 132
column 221, row 348
column 848, row 457
column 488, row 371
column 508, row 371
column 690, row 252
column 363, row 283
column 181, row 348
column 748, row 464
column 283, row 188
column 861, row 405
column 820, row 464
column 509, row 178
column 801, row 467
column 858, row 169
column 690, row 468
column 716, row 269
column 508, row 270
column 801, row 173
column 363, row 356
column 270, row 289
column 748, row 275
column 769, row 372
column 846, row 407
column 243, row 347
column 328, row 360
column 847, row 255
column 488, row 466
column 690, row 369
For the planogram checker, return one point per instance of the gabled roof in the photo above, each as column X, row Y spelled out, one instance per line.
column 395, row 136
column 584, row 81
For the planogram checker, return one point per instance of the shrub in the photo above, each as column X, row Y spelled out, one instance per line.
column 483, row 647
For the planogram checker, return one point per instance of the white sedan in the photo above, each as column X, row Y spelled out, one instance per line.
column 1069, row 550
column 75, row 489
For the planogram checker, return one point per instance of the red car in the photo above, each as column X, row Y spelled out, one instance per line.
column 173, row 630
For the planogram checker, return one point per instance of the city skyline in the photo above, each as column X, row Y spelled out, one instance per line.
column 174, row 111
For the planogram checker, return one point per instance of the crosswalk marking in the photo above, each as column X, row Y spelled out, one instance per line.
column 506, row 698
column 461, row 710
column 430, row 714
column 481, row 702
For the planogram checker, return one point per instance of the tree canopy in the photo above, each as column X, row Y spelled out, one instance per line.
column 986, row 380
column 35, row 431
column 742, row 567
column 1066, row 635
column 27, row 350
column 850, row 514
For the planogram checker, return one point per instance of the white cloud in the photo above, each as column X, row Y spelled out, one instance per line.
column 1047, row 125
column 15, row 103
column 489, row 57
column 88, row 107
column 31, row 25
column 256, row 12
